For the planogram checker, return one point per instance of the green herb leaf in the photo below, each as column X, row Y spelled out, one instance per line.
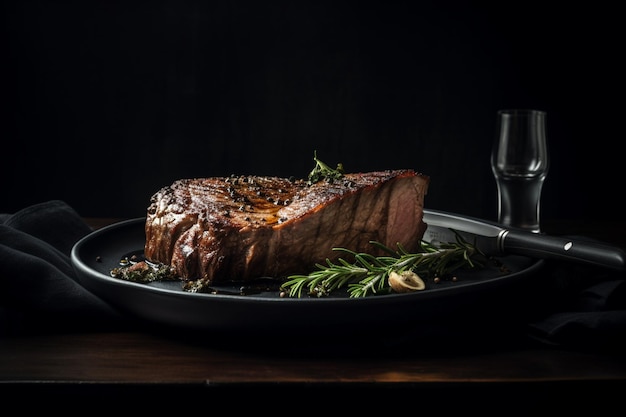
column 321, row 171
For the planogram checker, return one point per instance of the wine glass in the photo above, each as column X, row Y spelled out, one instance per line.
column 520, row 162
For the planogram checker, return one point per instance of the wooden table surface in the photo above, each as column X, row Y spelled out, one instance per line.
column 133, row 363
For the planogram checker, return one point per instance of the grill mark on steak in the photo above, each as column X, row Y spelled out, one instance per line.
column 241, row 228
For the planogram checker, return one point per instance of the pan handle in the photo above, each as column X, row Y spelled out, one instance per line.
column 562, row 248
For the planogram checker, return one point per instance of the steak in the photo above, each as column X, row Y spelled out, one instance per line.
column 240, row 228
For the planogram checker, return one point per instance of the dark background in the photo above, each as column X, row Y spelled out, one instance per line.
column 106, row 102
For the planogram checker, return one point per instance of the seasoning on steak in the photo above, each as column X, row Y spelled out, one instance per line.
column 240, row 228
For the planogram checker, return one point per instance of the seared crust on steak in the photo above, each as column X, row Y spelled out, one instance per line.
column 240, row 228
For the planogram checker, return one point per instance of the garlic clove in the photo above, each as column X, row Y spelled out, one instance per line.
column 406, row 281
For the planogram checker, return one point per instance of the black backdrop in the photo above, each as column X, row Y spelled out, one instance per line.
column 105, row 102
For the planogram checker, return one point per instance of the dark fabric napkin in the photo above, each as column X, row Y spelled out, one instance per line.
column 39, row 290
column 584, row 308
column 580, row 308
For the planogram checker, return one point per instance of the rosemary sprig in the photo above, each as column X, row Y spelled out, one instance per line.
column 368, row 274
column 321, row 171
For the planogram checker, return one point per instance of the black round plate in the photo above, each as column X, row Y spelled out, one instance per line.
column 476, row 297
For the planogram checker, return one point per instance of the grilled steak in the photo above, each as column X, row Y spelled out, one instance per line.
column 243, row 227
